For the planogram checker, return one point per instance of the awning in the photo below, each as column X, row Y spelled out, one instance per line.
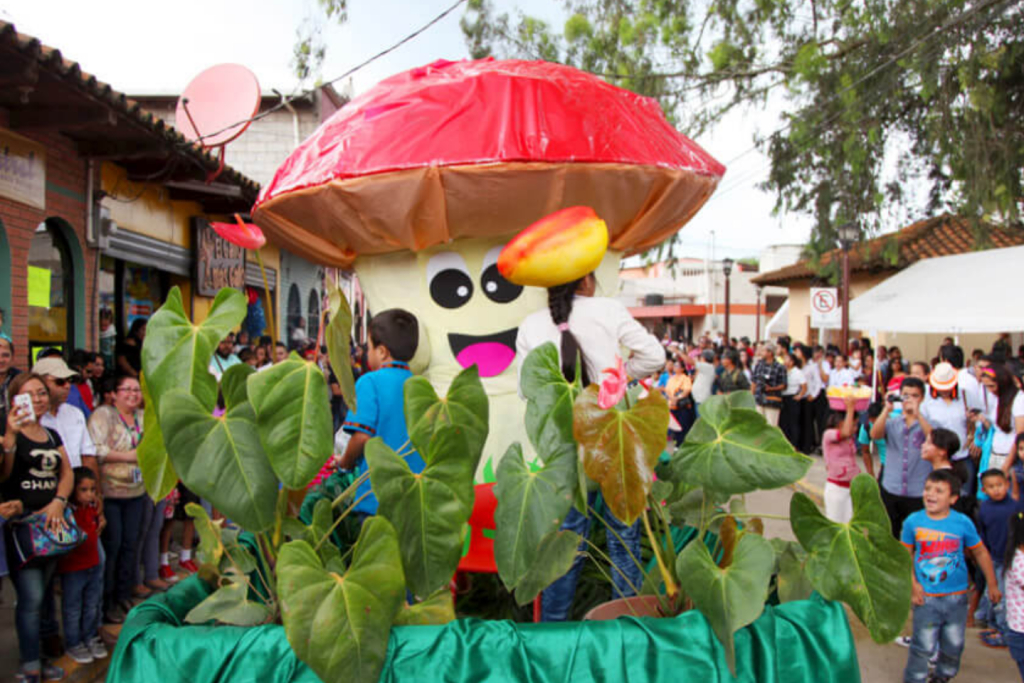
column 959, row 294
column 779, row 324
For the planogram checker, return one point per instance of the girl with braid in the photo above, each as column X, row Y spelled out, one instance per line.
column 601, row 330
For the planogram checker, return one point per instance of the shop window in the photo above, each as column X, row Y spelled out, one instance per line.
column 313, row 314
column 295, row 319
column 50, row 293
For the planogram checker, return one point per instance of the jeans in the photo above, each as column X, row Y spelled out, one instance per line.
column 147, row 551
column 30, row 584
column 557, row 598
column 124, row 519
column 81, row 602
column 941, row 619
column 994, row 615
column 1015, row 641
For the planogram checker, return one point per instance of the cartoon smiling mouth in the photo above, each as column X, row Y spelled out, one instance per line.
column 491, row 353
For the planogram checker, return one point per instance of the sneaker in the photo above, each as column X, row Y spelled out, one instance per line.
column 903, row 641
column 167, row 574
column 26, row 677
column 81, row 654
column 142, row 591
column 52, row 672
column 97, row 648
column 937, row 679
column 190, row 566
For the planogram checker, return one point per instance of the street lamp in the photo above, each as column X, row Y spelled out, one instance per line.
column 848, row 235
column 727, row 268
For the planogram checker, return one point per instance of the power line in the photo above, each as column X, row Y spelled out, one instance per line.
column 285, row 102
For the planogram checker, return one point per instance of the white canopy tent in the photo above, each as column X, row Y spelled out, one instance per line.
column 962, row 294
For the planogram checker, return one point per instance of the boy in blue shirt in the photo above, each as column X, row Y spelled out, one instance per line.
column 993, row 525
column 938, row 538
column 380, row 401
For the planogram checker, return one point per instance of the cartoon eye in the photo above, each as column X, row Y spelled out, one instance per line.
column 495, row 286
column 450, row 284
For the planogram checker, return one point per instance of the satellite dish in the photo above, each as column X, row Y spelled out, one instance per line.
column 218, row 104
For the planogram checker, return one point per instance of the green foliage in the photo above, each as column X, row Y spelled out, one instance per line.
column 732, row 450
column 176, row 353
column 620, row 448
column 531, row 505
column 233, row 384
column 465, row 406
column 157, row 471
column 859, row 563
column 883, row 98
column 549, row 404
column 230, row 604
column 429, row 510
column 730, row 597
column 220, row 459
column 339, row 624
column 337, row 336
column 792, row 582
column 555, row 556
column 293, row 416
column 436, row 610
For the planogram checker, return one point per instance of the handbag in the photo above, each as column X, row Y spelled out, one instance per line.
column 32, row 540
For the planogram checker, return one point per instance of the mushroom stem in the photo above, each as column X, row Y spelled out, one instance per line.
column 266, row 291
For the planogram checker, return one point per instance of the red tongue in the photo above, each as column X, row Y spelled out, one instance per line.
column 490, row 358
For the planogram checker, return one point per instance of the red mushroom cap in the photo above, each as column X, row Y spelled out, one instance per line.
column 483, row 148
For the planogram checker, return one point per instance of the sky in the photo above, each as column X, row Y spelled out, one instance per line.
column 141, row 47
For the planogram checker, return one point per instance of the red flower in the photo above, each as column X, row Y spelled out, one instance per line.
column 242, row 234
column 613, row 388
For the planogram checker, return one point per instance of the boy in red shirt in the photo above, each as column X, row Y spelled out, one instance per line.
column 82, row 576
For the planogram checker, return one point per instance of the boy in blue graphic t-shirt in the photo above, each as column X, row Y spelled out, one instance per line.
column 380, row 402
column 938, row 539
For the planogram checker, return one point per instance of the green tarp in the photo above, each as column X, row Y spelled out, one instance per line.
column 801, row 641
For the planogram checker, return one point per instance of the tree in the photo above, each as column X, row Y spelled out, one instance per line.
column 883, row 96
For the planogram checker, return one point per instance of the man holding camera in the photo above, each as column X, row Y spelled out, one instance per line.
column 904, row 433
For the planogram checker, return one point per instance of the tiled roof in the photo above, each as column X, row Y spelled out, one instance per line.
column 70, row 74
column 943, row 235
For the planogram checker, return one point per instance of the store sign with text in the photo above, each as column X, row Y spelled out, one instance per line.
column 219, row 263
column 22, row 170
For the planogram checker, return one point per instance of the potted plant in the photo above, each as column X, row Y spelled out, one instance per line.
column 338, row 609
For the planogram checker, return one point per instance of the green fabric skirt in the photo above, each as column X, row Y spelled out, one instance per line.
column 809, row 640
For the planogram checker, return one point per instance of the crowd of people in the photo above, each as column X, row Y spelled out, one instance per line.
column 944, row 437
column 68, row 460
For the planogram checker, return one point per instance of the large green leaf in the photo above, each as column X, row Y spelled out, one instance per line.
column 555, row 556
column 336, row 624
column 230, row 604
column 337, row 336
column 157, row 471
column 233, row 384
column 221, row 459
column 859, row 563
column 730, row 597
column 620, row 448
column 530, row 506
column 791, row 573
column 734, row 450
column 464, row 406
column 176, row 353
column 211, row 548
column 429, row 510
column 549, row 404
column 436, row 610
column 293, row 415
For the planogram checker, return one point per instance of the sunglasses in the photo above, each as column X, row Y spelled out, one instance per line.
column 59, row 381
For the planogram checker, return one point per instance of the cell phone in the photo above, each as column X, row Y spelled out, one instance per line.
column 24, row 402
column 894, row 398
column 975, row 411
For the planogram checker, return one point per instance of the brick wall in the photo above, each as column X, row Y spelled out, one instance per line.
column 65, row 199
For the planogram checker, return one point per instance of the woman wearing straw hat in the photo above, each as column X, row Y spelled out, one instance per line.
column 946, row 406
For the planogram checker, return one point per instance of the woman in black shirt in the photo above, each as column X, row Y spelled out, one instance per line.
column 35, row 470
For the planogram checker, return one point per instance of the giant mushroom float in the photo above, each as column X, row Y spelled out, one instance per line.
column 419, row 182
